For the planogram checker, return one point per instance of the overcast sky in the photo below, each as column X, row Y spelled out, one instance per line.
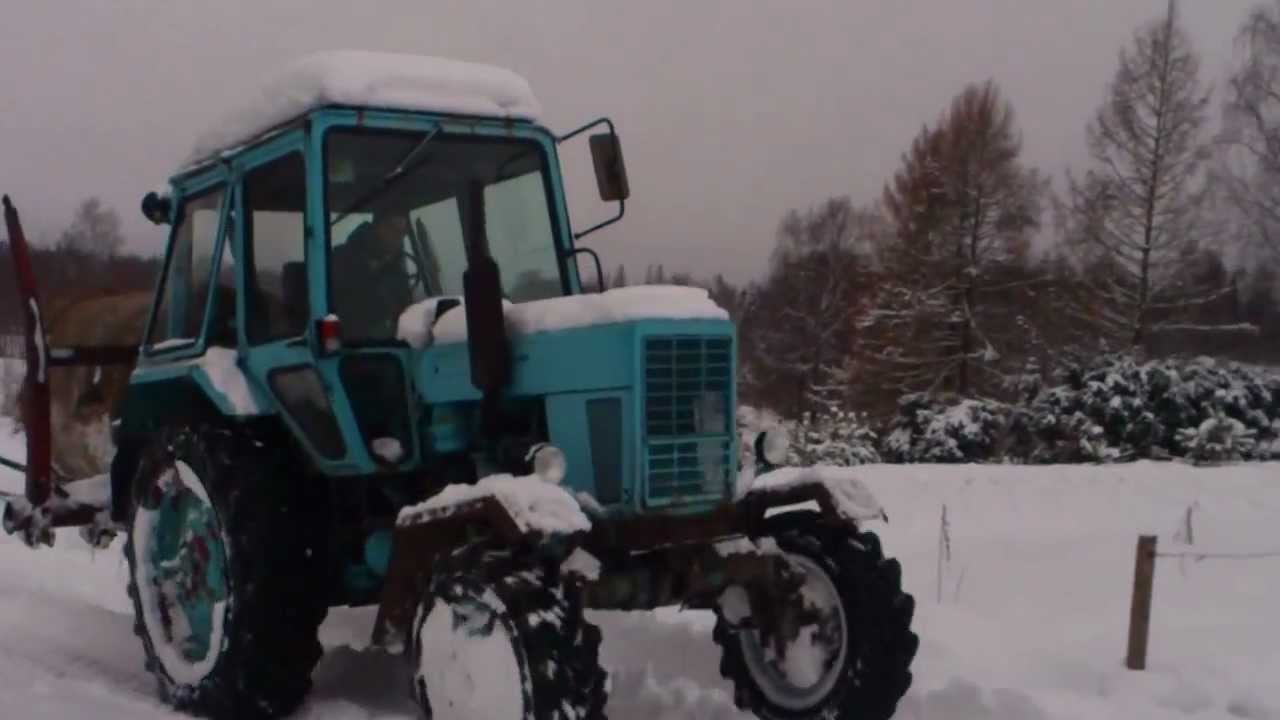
column 730, row 112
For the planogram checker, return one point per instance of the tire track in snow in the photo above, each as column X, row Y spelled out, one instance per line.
column 662, row 668
column 60, row 650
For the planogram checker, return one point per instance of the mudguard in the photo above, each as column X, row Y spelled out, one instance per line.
column 515, row 511
column 216, row 373
column 836, row 491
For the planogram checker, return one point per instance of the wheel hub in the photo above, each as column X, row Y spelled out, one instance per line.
column 182, row 579
column 797, row 653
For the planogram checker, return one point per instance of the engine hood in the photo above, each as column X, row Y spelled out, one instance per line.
column 567, row 344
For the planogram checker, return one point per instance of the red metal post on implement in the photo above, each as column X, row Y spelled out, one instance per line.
column 35, row 388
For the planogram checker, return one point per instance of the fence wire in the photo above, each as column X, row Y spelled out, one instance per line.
column 1198, row 556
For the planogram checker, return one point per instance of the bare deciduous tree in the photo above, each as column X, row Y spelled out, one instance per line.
column 801, row 318
column 1139, row 214
column 1250, row 162
column 964, row 208
column 94, row 230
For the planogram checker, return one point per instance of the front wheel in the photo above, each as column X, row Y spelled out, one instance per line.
column 841, row 648
column 496, row 637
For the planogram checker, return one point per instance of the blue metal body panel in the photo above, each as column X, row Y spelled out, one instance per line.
column 567, row 368
column 570, row 431
column 193, row 371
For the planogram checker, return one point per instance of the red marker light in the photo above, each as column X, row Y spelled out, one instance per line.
column 330, row 333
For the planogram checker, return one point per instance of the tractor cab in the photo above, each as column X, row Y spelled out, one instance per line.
column 303, row 251
column 393, row 276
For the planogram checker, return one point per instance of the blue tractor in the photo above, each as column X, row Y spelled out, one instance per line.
column 373, row 375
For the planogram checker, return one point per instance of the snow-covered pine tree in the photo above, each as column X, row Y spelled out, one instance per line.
column 829, row 433
column 946, row 429
column 1220, row 438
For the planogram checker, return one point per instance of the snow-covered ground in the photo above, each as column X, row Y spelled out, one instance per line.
column 1031, row 624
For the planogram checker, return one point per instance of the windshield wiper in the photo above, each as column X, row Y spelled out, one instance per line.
column 410, row 157
column 409, row 162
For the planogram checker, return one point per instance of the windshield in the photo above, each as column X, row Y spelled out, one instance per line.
column 399, row 221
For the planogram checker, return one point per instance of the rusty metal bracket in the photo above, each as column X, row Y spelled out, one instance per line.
column 66, row 507
column 35, row 387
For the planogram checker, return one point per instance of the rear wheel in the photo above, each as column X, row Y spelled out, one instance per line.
column 841, row 649
column 223, row 572
column 497, row 637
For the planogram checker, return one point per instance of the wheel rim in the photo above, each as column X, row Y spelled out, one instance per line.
column 800, row 673
column 466, row 646
column 180, row 573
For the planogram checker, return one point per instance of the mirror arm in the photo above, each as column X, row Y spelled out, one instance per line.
column 622, row 209
column 569, row 254
column 588, row 126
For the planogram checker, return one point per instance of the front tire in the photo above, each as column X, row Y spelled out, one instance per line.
column 224, row 569
column 503, row 638
column 848, row 644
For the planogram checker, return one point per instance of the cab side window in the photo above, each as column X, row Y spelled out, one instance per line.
column 274, row 241
column 222, row 324
column 184, row 292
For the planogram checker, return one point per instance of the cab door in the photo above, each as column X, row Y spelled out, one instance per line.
column 276, row 318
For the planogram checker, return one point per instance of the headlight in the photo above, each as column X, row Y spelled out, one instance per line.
column 709, row 414
column 772, row 446
column 549, row 464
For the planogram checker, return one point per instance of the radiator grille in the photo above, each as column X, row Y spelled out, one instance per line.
column 687, row 417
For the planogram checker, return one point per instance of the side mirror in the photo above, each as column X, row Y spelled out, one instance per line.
column 157, row 209
column 611, row 173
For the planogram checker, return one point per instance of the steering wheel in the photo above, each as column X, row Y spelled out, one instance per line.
column 416, row 276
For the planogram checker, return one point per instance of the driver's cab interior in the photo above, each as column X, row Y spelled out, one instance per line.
column 417, row 183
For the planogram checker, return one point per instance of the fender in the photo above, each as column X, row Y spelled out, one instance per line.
column 837, row 491
column 519, row 512
column 183, row 391
column 216, row 373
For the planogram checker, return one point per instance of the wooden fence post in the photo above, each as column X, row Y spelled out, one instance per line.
column 1144, row 570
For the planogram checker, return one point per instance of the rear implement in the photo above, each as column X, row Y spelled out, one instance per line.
column 48, row 501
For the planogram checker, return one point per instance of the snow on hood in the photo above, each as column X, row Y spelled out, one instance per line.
column 640, row 302
column 390, row 81
column 414, row 324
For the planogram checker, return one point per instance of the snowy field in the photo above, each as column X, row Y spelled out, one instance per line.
column 1031, row 624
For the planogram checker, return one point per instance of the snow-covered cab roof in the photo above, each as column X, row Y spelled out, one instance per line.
column 358, row 78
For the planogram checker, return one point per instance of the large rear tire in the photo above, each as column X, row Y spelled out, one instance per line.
column 225, row 568
column 843, row 651
column 504, row 638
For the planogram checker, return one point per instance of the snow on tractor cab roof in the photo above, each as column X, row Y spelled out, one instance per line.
column 371, row 80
